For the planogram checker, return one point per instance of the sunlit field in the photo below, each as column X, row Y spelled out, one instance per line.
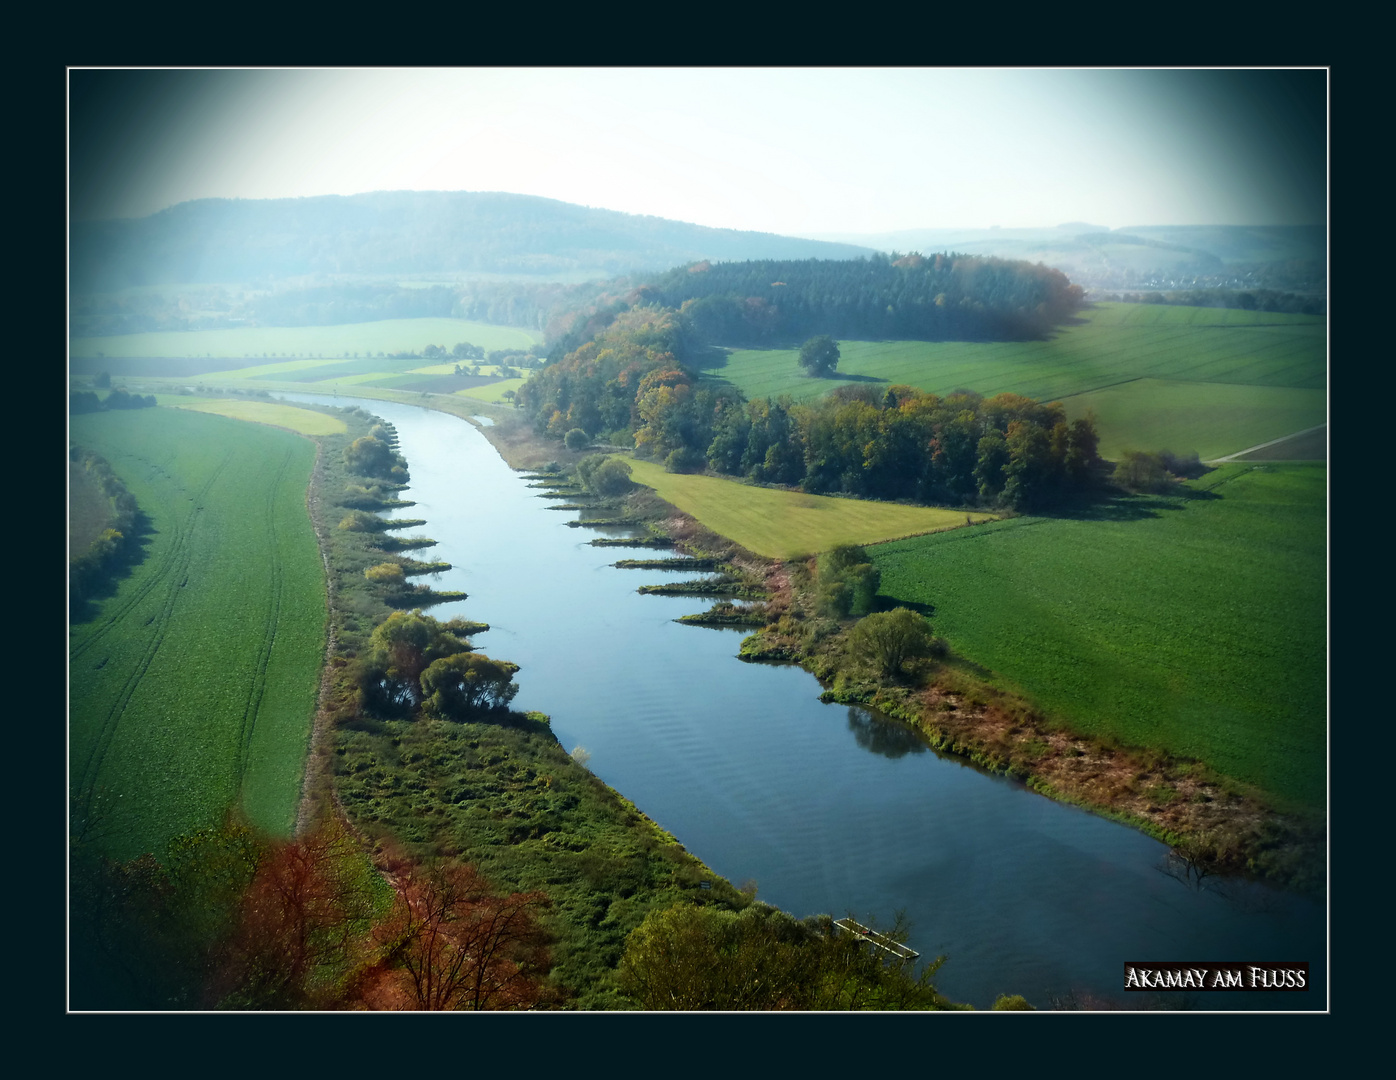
column 193, row 685
column 304, row 421
column 1194, row 623
column 1131, row 349
column 786, row 524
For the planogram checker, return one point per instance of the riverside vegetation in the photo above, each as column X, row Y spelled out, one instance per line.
column 438, row 828
column 1248, row 801
column 629, row 374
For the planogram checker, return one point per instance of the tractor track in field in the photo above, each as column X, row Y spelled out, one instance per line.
column 257, row 690
column 176, row 557
column 173, row 574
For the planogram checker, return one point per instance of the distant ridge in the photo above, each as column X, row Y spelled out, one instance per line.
column 1173, row 256
column 404, row 232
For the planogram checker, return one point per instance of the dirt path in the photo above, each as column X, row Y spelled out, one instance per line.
column 1273, row 442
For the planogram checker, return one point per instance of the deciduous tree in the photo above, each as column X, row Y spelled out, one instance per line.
column 891, row 639
column 820, row 355
column 454, row 944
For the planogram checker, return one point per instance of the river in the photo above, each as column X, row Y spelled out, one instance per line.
column 825, row 808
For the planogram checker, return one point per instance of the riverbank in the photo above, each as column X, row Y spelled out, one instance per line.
column 1212, row 823
column 501, row 793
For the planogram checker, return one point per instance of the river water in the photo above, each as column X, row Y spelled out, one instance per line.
column 825, row 808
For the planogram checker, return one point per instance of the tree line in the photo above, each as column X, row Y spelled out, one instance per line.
column 89, row 570
column 86, row 401
column 937, row 297
column 628, row 384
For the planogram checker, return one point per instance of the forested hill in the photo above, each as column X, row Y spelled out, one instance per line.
column 930, row 298
column 402, row 232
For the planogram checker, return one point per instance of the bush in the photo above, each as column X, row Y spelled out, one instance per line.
column 1139, row 471
column 374, row 457
column 360, row 521
column 386, row 573
column 892, row 639
column 576, row 439
column 847, row 566
column 1012, row 1003
column 604, row 476
column 461, row 686
column 1188, row 465
column 685, row 460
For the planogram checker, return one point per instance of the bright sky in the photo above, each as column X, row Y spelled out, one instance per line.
column 792, row 151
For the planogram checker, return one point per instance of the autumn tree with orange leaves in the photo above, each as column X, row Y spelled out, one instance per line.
column 451, row 943
column 305, row 922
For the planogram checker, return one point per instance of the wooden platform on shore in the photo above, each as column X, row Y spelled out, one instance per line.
column 879, row 941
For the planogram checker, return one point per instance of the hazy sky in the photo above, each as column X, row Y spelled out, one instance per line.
column 793, row 151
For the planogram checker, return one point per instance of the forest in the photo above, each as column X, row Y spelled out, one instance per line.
column 928, row 298
column 629, row 384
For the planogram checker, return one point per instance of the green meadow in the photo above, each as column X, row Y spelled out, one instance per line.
column 1193, row 623
column 1207, row 379
column 304, row 421
column 192, row 686
column 385, row 335
column 782, row 524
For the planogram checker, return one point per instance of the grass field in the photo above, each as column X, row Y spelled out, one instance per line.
column 1214, row 419
column 192, row 688
column 385, row 335
column 492, row 392
column 304, row 421
column 1195, row 624
column 787, row 524
column 1132, row 349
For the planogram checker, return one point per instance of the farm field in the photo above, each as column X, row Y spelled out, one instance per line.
column 192, row 688
column 384, row 335
column 304, row 421
column 1214, row 419
column 493, row 392
column 1112, row 346
column 1195, row 624
column 787, row 524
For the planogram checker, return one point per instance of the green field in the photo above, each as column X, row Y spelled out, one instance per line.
column 385, row 335
column 1215, row 419
column 304, row 421
column 1207, row 378
column 192, row 688
column 1194, row 624
column 492, row 392
column 788, row 524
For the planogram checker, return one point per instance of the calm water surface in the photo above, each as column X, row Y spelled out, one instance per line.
column 826, row 808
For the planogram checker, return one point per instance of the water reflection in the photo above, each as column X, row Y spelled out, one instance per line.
column 883, row 735
column 757, row 777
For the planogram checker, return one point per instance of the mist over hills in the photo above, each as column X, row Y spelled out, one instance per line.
column 404, row 233
column 1291, row 257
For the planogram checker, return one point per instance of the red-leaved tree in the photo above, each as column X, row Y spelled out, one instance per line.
column 451, row 943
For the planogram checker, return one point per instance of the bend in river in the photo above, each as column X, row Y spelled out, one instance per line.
column 827, row 808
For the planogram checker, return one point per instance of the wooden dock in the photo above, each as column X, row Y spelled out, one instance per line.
column 879, row 941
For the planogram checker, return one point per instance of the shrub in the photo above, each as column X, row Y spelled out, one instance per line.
column 460, row 686
column 1142, row 472
column 575, row 439
column 386, row 573
column 892, row 639
column 684, row 460
column 604, row 476
column 848, row 582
